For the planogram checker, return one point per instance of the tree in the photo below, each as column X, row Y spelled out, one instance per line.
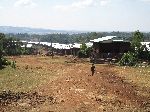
column 137, row 38
column 83, row 47
column 2, row 37
column 84, row 51
column 12, row 46
column 140, row 50
column 138, row 53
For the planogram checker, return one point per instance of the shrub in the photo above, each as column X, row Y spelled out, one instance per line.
column 5, row 62
column 13, row 64
column 143, row 53
column 128, row 59
column 82, row 54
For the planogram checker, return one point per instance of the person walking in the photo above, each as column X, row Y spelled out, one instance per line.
column 93, row 69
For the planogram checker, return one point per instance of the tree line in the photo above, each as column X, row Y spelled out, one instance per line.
column 73, row 38
column 10, row 47
column 10, row 44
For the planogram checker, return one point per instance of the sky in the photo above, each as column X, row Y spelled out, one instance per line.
column 81, row 15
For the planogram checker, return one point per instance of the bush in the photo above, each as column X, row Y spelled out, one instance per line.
column 13, row 64
column 128, row 59
column 5, row 62
column 82, row 54
column 143, row 53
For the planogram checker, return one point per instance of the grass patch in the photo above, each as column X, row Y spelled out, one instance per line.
column 25, row 79
column 137, row 75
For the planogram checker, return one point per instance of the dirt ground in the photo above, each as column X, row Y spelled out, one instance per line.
column 74, row 89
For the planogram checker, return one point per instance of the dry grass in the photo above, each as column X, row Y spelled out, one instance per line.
column 138, row 75
column 112, row 88
column 30, row 72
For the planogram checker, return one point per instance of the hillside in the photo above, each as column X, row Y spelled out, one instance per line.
column 42, row 84
column 11, row 29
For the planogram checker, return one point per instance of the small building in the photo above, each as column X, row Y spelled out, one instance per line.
column 62, row 49
column 108, row 47
column 75, row 49
column 56, row 48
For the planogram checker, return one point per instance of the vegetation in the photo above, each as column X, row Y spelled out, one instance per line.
column 2, row 36
column 138, row 53
column 12, row 46
column 8, row 46
column 84, row 51
column 69, row 38
column 137, row 38
column 45, row 76
column 128, row 59
column 72, row 38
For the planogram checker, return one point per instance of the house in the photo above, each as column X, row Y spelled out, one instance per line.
column 56, row 48
column 62, row 49
column 89, row 44
column 109, row 47
column 75, row 49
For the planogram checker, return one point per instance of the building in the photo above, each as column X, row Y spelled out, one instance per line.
column 108, row 47
column 56, row 48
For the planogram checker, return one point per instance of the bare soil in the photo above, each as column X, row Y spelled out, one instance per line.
column 75, row 90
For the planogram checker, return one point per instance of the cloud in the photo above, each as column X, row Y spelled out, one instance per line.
column 82, row 4
column 25, row 3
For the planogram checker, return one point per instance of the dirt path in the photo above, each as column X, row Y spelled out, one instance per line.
column 105, row 91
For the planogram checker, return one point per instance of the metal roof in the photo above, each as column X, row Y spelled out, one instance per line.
column 57, row 45
column 104, row 39
column 90, row 44
column 76, row 45
column 29, row 45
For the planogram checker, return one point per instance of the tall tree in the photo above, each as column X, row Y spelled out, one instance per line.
column 12, row 46
column 2, row 36
column 137, row 38
column 141, row 51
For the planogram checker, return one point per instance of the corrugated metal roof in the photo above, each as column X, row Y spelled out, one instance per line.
column 44, row 43
column 59, row 46
column 117, row 40
column 29, row 45
column 107, row 38
column 76, row 45
column 33, row 42
column 62, row 46
column 90, row 44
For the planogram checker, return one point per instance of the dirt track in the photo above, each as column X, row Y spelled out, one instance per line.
column 75, row 90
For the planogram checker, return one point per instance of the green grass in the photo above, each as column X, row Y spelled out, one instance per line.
column 38, row 73
column 23, row 80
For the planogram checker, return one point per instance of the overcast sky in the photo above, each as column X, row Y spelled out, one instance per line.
column 91, row 15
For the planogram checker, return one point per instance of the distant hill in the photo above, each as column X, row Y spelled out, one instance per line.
column 11, row 29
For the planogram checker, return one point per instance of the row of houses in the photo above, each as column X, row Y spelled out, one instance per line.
column 105, row 47
column 57, row 48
